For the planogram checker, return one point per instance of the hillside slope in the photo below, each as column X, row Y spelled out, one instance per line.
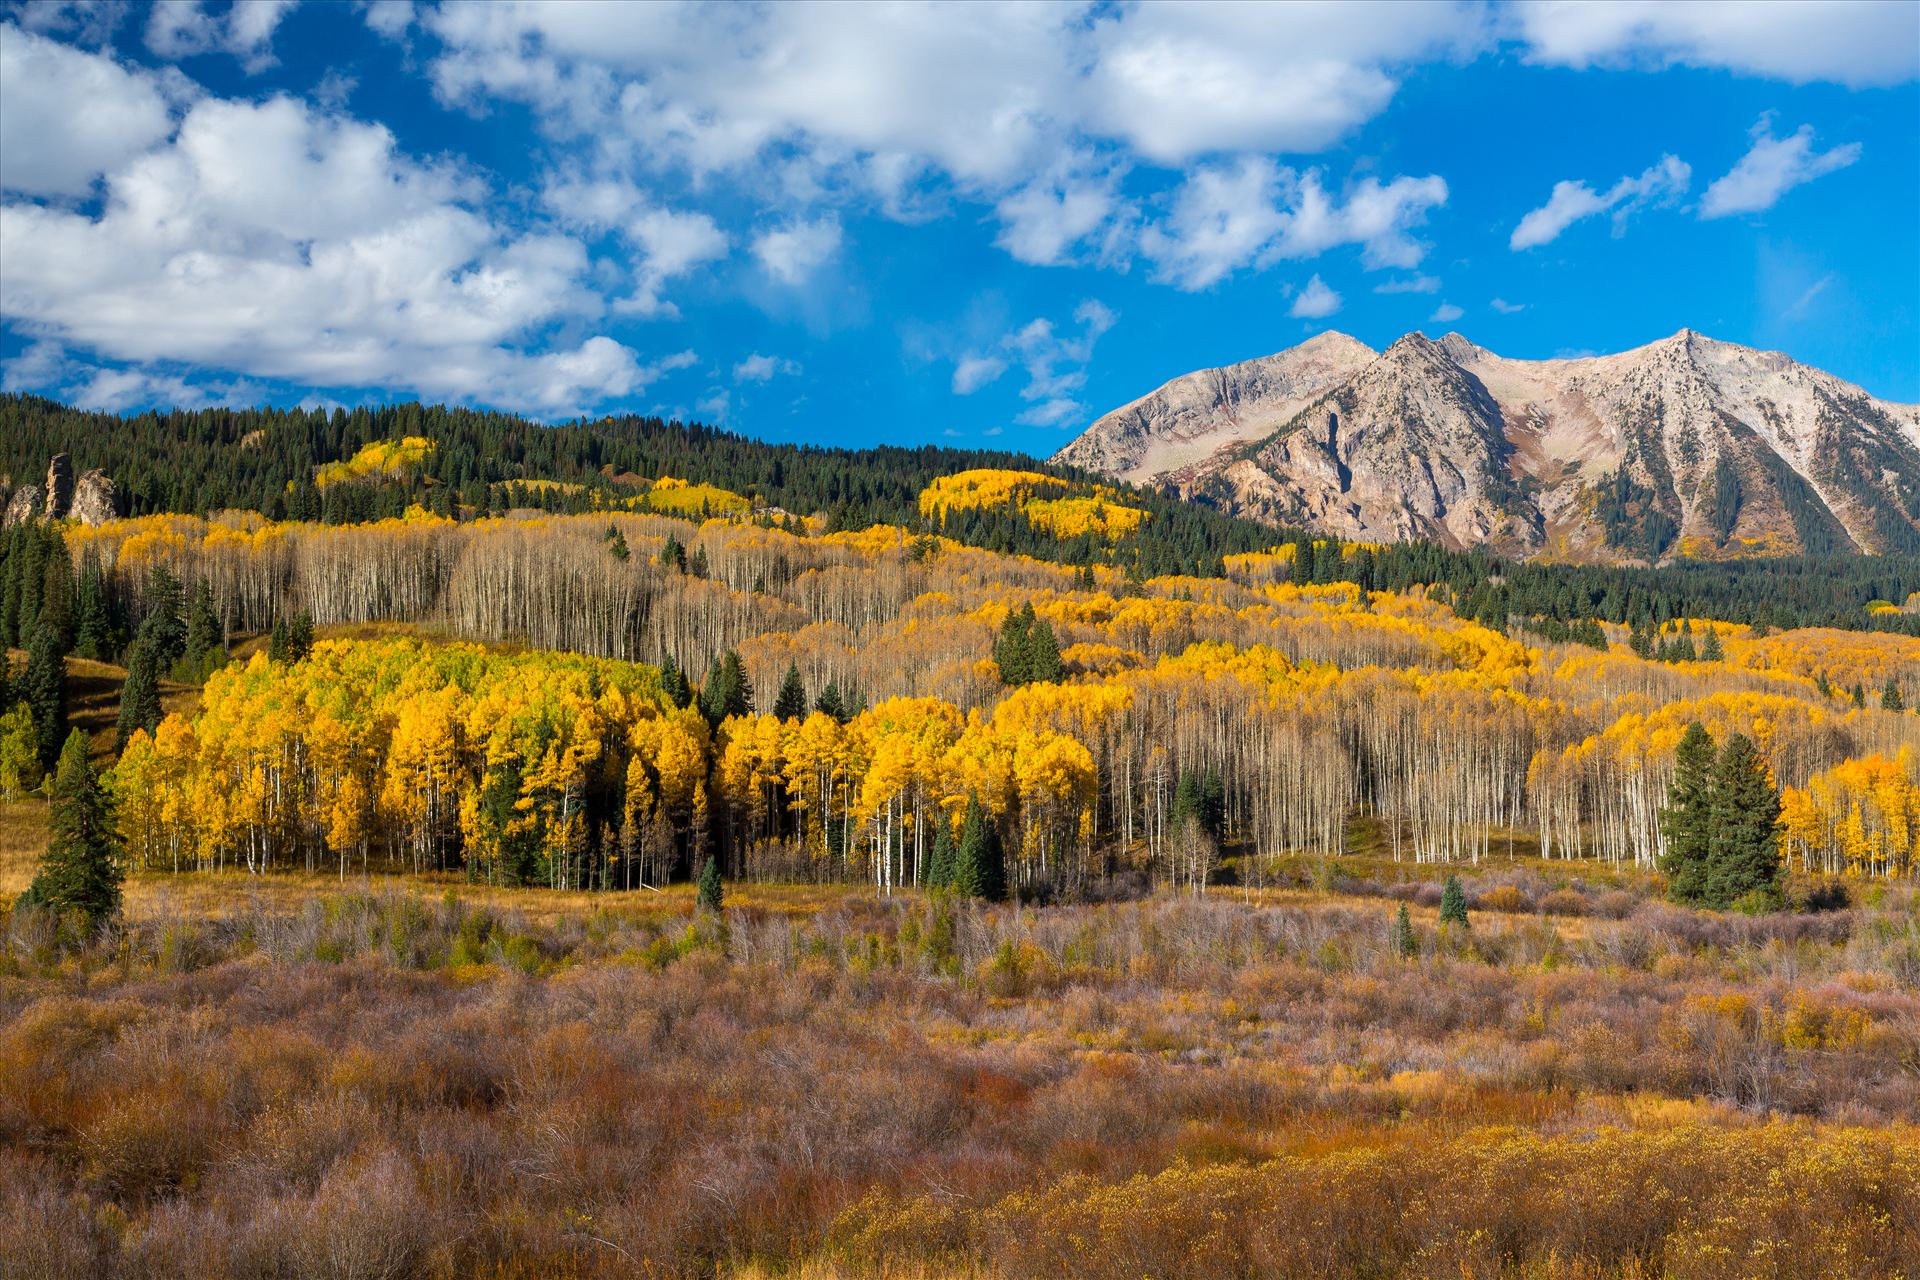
column 1684, row 447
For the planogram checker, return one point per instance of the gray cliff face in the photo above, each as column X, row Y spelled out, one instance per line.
column 1721, row 450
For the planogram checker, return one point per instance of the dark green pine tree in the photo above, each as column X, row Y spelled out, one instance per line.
column 1743, row 852
column 941, row 862
column 979, row 866
column 1301, row 570
column 1406, row 944
column 300, row 636
column 1640, row 637
column 1453, row 904
column 92, row 617
column 140, row 693
column 167, row 616
column 277, row 647
column 1012, row 652
column 712, row 896
column 45, row 689
column 79, row 873
column 1890, row 699
column 1686, row 820
column 831, row 703
column 206, row 637
column 56, row 595
column 1710, row 650
column 791, row 703
column 673, row 683
column 726, row 692
column 1859, row 694
column 673, row 555
column 1043, row 653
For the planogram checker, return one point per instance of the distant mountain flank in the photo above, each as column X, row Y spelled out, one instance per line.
column 1685, row 447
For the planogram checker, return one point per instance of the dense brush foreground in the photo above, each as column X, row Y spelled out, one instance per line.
column 1583, row 1082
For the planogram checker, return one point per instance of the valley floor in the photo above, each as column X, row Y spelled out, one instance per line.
column 284, row 1076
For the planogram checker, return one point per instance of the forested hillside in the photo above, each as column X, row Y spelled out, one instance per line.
column 356, row 467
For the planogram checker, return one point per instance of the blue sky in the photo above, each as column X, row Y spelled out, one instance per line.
column 974, row 225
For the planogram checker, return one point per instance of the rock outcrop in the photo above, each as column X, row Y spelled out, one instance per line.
column 95, row 499
column 91, row 499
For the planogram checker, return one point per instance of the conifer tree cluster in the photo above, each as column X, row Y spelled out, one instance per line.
column 1722, row 825
column 1026, row 650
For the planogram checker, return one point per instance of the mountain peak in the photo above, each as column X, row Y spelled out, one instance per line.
column 1728, row 450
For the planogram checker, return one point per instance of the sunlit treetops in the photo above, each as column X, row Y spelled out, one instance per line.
column 1046, row 501
column 380, row 460
column 984, row 487
column 1097, row 517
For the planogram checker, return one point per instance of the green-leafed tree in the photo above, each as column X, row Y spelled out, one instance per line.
column 673, row 683
column 712, row 895
column 45, row 689
column 206, row 638
column 980, row 869
column 140, row 692
column 79, row 873
column 1890, row 699
column 726, row 691
column 941, row 862
column 791, row 703
column 1406, row 944
column 1686, row 821
column 1012, row 650
column 1043, row 653
column 1453, row 903
column 1743, row 854
column 92, row 614
column 20, row 770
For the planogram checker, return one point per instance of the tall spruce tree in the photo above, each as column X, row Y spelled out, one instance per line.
column 1890, row 699
column 979, row 866
column 726, row 692
column 79, row 872
column 1687, row 819
column 1043, row 653
column 92, row 616
column 1743, row 854
column 673, row 683
column 206, row 638
column 1453, row 904
column 1406, row 943
column 45, row 690
column 712, row 894
column 831, row 703
column 941, row 863
column 140, row 692
column 1012, row 649
column 791, row 703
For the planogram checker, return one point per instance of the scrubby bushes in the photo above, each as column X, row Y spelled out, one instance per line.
column 398, row 1084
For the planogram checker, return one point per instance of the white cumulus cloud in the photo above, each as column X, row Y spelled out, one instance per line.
column 272, row 241
column 1850, row 42
column 66, row 117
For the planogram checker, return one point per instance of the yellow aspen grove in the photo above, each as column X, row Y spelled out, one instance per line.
column 1302, row 706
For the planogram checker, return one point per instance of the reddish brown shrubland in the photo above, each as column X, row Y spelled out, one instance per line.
column 828, row 1084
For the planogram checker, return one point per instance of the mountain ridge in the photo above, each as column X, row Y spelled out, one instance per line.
column 1686, row 446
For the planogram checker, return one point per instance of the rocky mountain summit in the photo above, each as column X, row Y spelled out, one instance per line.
column 90, row 499
column 1685, row 447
